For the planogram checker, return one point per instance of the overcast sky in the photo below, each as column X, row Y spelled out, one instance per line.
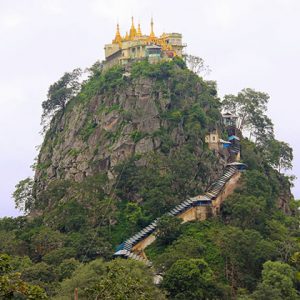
column 246, row 43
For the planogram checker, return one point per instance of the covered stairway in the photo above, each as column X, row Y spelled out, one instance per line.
column 195, row 208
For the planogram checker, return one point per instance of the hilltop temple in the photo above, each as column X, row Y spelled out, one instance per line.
column 135, row 45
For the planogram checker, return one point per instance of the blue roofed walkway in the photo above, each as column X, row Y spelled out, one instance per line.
column 195, row 208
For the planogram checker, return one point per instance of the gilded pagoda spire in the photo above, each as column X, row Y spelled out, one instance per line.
column 126, row 36
column 136, row 45
column 132, row 32
column 118, row 38
column 139, row 31
column 152, row 35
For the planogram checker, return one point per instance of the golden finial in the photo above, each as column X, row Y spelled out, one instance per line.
column 152, row 37
column 118, row 38
column 152, row 31
column 126, row 36
column 139, row 32
column 132, row 32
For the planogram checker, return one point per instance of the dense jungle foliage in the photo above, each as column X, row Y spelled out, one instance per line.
column 250, row 251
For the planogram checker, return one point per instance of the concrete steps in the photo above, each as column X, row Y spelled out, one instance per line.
column 125, row 249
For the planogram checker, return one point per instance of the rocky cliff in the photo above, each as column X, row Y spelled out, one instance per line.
column 128, row 148
column 129, row 113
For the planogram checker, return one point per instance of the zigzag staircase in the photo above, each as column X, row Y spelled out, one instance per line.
column 128, row 248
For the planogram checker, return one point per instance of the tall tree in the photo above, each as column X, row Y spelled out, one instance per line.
column 243, row 251
column 196, row 64
column 277, row 282
column 189, row 279
column 279, row 154
column 168, row 229
column 118, row 279
column 12, row 286
column 61, row 92
column 133, row 213
column 261, row 128
column 95, row 69
column 244, row 211
column 23, row 195
column 250, row 106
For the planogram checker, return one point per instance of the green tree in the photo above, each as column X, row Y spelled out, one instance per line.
column 244, row 252
column 12, row 286
column 148, row 183
column 115, row 280
column 250, row 106
column 183, row 247
column 95, row 69
column 23, row 195
column 10, row 243
column 56, row 256
column 61, row 92
column 41, row 274
column 189, row 279
column 90, row 244
column 257, row 184
column 69, row 216
column 261, row 129
column 244, row 211
column 282, row 237
column 168, row 229
column 66, row 268
column 251, row 155
column 44, row 241
column 56, row 190
column 85, row 276
column 130, row 280
column 278, row 154
column 196, row 64
column 133, row 214
column 277, row 282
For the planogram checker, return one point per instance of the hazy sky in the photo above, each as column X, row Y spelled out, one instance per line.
column 246, row 43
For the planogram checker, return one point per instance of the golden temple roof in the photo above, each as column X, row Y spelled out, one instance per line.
column 134, row 34
column 118, row 38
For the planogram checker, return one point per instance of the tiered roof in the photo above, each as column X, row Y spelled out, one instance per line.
column 136, row 35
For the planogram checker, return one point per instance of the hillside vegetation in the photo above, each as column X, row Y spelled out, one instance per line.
column 120, row 150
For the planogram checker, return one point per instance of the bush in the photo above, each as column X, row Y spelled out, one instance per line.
column 189, row 279
column 168, row 229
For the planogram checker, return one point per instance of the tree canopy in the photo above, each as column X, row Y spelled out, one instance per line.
column 249, row 251
column 61, row 92
column 196, row 64
column 250, row 106
column 279, row 154
column 189, row 279
column 23, row 195
column 168, row 229
column 277, row 282
column 117, row 279
column 12, row 286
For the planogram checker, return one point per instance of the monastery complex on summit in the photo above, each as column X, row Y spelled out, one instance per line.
column 136, row 45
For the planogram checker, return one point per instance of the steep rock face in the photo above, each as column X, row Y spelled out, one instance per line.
column 137, row 116
column 285, row 195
